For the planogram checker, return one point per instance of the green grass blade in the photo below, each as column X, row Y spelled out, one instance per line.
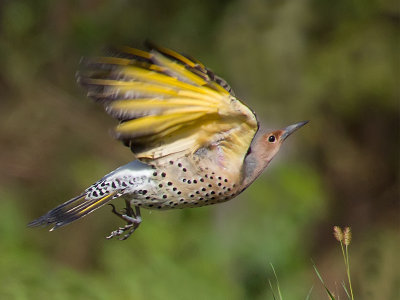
column 323, row 283
column 272, row 290
column 347, row 263
column 277, row 282
column 309, row 293
column 345, row 289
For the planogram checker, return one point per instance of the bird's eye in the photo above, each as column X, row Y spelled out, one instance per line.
column 271, row 139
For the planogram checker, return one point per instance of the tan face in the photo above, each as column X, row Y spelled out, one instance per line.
column 272, row 142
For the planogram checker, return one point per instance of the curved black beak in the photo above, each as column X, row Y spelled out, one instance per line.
column 291, row 128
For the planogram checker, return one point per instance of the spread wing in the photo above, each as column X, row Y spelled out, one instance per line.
column 168, row 103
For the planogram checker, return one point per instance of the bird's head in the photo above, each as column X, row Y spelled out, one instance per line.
column 264, row 147
column 270, row 142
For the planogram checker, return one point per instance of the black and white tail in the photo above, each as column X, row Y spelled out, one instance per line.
column 71, row 210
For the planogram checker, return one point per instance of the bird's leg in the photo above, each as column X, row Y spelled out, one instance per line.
column 132, row 218
column 128, row 211
column 136, row 220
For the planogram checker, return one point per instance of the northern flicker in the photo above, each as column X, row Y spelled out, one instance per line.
column 194, row 142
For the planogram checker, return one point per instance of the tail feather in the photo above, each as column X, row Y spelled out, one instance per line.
column 70, row 211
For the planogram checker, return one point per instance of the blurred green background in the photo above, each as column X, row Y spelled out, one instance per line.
column 335, row 63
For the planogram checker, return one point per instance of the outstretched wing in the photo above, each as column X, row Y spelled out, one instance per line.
column 168, row 103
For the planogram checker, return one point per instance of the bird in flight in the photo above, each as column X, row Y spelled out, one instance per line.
column 194, row 142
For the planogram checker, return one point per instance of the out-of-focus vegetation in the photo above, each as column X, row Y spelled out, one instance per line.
column 344, row 238
column 335, row 63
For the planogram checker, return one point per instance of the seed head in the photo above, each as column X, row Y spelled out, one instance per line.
column 347, row 236
column 338, row 233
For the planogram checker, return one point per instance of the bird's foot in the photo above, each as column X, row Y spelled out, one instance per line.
column 132, row 218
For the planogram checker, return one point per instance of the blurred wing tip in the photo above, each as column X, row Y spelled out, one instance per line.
column 118, row 135
column 78, row 77
column 81, row 60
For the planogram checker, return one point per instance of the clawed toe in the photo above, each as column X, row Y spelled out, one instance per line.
column 132, row 218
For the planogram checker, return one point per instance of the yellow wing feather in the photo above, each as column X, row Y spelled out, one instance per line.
column 155, row 124
column 169, row 103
